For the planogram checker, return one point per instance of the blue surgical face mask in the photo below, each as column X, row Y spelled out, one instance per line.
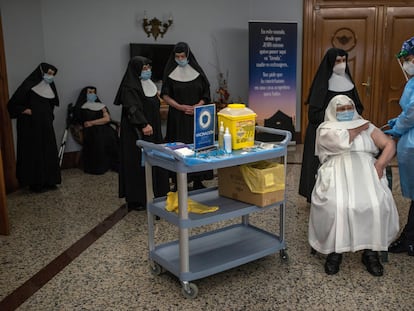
column 146, row 74
column 48, row 78
column 409, row 67
column 91, row 97
column 182, row 62
column 345, row 115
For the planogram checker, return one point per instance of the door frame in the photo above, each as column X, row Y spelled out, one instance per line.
column 8, row 181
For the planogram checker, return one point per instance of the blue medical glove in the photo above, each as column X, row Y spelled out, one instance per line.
column 391, row 122
column 393, row 132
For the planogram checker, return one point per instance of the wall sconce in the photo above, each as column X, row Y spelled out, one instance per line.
column 155, row 27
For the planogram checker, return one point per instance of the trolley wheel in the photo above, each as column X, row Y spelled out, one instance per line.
column 283, row 255
column 191, row 291
column 155, row 269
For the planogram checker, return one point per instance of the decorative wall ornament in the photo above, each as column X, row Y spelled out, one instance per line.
column 344, row 38
column 155, row 27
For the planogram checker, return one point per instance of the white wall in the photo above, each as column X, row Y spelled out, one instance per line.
column 23, row 40
column 88, row 40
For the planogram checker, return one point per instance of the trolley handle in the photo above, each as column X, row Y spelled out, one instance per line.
column 270, row 130
column 160, row 148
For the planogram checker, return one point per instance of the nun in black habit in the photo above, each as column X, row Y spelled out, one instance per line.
column 184, row 87
column 100, row 151
column 332, row 78
column 32, row 105
column 140, row 119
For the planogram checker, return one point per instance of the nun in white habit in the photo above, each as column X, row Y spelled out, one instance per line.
column 352, row 207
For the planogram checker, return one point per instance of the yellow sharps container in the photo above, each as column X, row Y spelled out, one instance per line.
column 241, row 123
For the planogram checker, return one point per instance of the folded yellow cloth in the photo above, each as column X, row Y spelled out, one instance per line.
column 171, row 205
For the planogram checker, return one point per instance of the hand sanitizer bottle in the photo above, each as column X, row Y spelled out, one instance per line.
column 221, row 136
column 227, row 141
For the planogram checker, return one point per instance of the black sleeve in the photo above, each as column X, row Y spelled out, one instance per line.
column 18, row 103
column 166, row 88
column 316, row 115
column 206, row 94
column 133, row 106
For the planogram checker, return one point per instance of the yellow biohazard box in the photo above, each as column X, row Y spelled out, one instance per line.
column 262, row 184
column 241, row 123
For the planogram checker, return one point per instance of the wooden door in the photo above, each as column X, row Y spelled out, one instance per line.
column 352, row 30
column 372, row 33
column 399, row 27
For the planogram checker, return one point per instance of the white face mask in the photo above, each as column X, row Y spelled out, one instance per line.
column 409, row 68
column 339, row 69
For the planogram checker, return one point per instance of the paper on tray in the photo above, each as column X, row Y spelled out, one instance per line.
column 185, row 151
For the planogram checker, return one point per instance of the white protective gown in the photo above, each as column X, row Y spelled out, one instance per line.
column 351, row 209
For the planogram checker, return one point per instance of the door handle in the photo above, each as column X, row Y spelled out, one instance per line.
column 367, row 86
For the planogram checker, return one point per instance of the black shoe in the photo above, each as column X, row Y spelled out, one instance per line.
column 399, row 246
column 51, row 187
column 371, row 261
column 37, row 188
column 135, row 206
column 332, row 263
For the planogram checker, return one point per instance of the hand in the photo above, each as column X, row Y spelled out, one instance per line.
column 363, row 127
column 391, row 122
column 147, row 131
column 27, row 111
column 87, row 124
column 380, row 169
column 393, row 133
column 187, row 109
column 356, row 131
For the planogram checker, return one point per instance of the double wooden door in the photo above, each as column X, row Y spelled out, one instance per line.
column 372, row 33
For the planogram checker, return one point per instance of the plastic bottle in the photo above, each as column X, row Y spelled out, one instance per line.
column 221, row 136
column 227, row 141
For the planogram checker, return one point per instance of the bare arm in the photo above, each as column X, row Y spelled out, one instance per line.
column 387, row 145
column 172, row 102
column 105, row 119
column 187, row 109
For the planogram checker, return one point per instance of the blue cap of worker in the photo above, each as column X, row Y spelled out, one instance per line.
column 407, row 48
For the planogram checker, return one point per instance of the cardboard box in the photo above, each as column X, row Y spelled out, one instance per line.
column 231, row 184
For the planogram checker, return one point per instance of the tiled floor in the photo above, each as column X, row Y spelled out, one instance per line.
column 50, row 262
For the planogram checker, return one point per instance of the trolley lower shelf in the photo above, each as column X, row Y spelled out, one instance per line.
column 216, row 251
column 228, row 209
